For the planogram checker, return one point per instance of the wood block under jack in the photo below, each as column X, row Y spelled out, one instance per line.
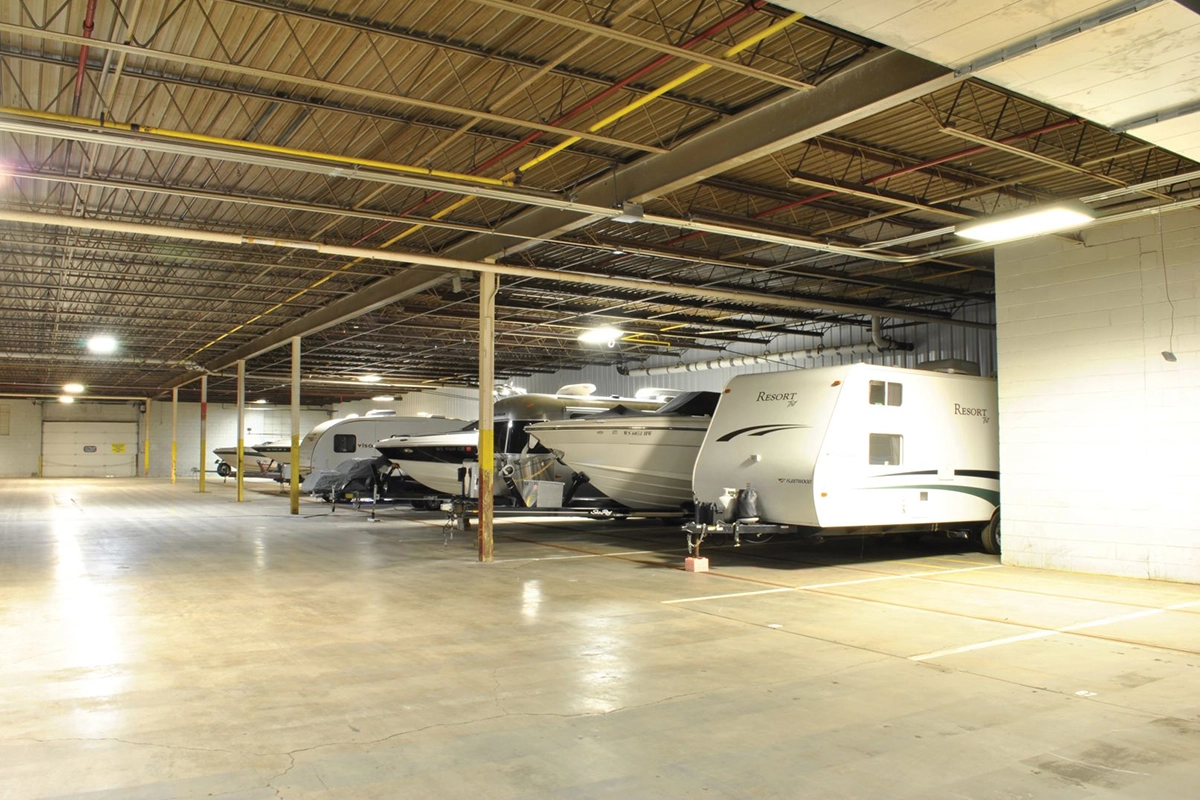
column 695, row 564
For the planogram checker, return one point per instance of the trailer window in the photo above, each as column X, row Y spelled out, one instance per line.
column 345, row 443
column 885, row 449
column 889, row 394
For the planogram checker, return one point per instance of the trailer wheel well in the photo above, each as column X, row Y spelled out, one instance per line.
column 989, row 535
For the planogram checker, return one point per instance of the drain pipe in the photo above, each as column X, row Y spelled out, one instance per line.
column 89, row 24
column 881, row 341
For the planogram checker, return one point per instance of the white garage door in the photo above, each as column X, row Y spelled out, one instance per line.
column 89, row 449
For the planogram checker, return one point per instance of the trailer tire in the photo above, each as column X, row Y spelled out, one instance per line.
column 224, row 470
column 989, row 537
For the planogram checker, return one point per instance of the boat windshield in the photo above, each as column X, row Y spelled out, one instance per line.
column 694, row 404
column 510, row 437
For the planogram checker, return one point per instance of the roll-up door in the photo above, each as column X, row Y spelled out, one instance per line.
column 89, row 449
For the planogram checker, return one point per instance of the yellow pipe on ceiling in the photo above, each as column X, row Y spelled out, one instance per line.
column 259, row 147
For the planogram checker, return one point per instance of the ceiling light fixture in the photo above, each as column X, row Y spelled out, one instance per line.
column 1028, row 222
column 66, row 398
column 262, row 401
column 370, row 378
column 600, row 335
column 383, row 398
column 72, row 388
column 102, row 344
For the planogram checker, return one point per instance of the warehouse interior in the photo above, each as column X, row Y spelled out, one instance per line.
column 279, row 214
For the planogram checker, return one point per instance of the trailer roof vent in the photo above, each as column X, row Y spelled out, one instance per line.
column 953, row 366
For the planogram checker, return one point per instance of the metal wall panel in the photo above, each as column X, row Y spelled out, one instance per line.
column 930, row 343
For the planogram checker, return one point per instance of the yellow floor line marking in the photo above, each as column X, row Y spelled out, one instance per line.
column 954, row 560
column 589, row 555
column 823, row 585
column 1079, row 626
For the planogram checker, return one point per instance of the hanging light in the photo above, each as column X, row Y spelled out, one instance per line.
column 370, row 378
column 1027, row 222
column 72, row 388
column 102, row 344
column 600, row 335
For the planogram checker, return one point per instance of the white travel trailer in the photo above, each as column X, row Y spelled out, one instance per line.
column 335, row 441
column 854, row 449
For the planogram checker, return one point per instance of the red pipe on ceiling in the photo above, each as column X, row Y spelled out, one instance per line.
column 745, row 11
column 89, row 24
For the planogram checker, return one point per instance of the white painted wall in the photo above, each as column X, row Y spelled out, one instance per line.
column 21, row 446
column 262, row 424
column 1099, row 435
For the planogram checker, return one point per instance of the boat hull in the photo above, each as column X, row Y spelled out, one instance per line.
column 641, row 462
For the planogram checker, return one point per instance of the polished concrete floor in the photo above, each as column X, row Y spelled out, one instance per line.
column 158, row 643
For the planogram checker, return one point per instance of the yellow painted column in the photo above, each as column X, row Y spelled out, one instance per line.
column 488, row 286
column 147, row 452
column 174, row 432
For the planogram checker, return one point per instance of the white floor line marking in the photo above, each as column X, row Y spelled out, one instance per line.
column 1079, row 626
column 827, row 585
column 1098, row 766
column 587, row 555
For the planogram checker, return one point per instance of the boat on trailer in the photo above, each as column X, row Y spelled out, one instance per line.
column 641, row 459
column 442, row 461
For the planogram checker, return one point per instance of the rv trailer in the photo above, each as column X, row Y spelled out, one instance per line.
column 336, row 440
column 851, row 450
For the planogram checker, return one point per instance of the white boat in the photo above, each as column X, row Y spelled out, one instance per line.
column 336, row 440
column 256, row 463
column 641, row 460
column 437, row 461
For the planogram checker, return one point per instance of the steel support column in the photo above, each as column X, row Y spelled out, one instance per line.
column 174, row 433
column 239, row 478
column 488, row 286
column 203, row 429
column 146, row 452
column 294, row 476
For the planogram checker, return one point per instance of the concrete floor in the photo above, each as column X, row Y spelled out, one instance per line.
column 157, row 643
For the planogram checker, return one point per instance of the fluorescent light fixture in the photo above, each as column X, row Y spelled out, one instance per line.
column 66, row 398
column 370, row 378
column 1027, row 222
column 383, row 398
column 630, row 212
column 600, row 335
column 262, row 401
column 102, row 344
column 72, row 388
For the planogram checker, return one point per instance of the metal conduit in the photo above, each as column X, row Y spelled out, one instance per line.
column 769, row 358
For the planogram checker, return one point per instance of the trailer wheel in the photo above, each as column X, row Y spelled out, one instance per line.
column 224, row 470
column 989, row 537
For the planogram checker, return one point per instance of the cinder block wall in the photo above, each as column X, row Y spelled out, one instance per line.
column 1099, row 434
